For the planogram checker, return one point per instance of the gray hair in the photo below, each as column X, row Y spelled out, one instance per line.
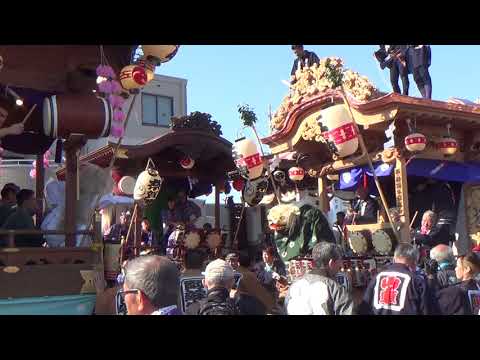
column 156, row 276
column 407, row 252
column 442, row 253
column 431, row 215
column 324, row 251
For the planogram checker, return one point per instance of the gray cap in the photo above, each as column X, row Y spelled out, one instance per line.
column 218, row 271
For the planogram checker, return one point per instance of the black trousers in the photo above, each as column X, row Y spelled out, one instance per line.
column 398, row 70
column 423, row 81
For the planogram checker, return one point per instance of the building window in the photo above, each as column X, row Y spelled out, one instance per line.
column 156, row 110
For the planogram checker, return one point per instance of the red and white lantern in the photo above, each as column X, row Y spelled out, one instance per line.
column 149, row 68
column 448, row 146
column 296, row 173
column 187, row 163
column 133, row 77
column 341, row 129
column 161, row 53
column 246, row 156
column 415, row 142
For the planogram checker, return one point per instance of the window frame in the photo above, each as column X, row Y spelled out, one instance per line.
column 172, row 107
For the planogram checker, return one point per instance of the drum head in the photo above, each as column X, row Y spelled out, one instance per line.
column 127, row 185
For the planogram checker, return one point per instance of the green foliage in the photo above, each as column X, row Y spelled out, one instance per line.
column 334, row 74
column 198, row 121
column 247, row 115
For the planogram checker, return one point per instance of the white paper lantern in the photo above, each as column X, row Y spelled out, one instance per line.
column 148, row 185
column 341, row 129
column 161, row 53
column 415, row 142
column 296, row 173
column 133, row 77
column 187, row 163
column 149, row 68
column 448, row 146
column 247, row 157
column 127, row 185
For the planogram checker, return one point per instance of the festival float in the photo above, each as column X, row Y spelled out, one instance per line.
column 335, row 132
column 65, row 95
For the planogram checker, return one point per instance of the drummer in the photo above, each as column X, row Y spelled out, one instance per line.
column 15, row 129
column 187, row 210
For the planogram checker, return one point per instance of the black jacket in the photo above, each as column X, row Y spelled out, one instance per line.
column 309, row 57
column 440, row 234
column 217, row 298
column 446, row 277
column 453, row 300
column 396, row 291
column 370, row 214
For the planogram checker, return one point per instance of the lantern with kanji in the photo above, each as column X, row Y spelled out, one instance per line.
column 340, row 130
column 415, row 142
column 448, row 146
column 160, row 53
column 148, row 185
column 187, row 163
column 133, row 77
column 247, row 158
column 296, row 173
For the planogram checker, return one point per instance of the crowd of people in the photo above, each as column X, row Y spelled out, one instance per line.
column 446, row 284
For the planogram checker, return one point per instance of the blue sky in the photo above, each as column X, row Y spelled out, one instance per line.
column 221, row 77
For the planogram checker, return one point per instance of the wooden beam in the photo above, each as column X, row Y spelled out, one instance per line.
column 72, row 145
column 217, row 206
column 39, row 187
column 401, row 192
column 322, row 195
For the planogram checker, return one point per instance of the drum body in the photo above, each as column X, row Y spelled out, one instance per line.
column 88, row 115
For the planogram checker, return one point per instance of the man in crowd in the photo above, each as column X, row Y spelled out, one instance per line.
column 188, row 211
column 218, row 280
column 117, row 231
column 151, row 286
column 443, row 255
column 337, row 228
column 398, row 290
column 318, row 293
column 148, row 236
column 304, row 58
column 250, row 287
column 394, row 58
column 9, row 201
column 464, row 297
column 22, row 219
column 366, row 208
column 432, row 232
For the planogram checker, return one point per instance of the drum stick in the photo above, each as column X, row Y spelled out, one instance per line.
column 29, row 113
column 413, row 220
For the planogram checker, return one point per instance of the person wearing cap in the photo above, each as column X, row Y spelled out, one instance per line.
column 219, row 279
column 463, row 298
column 9, row 201
column 304, row 58
column 151, row 286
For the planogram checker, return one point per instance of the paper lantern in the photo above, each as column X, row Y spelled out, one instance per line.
column 149, row 68
column 415, row 142
column 296, row 174
column 238, row 184
column 126, row 185
column 187, row 163
column 247, row 158
column 448, row 146
column 133, row 77
column 341, row 129
column 160, row 53
column 148, row 185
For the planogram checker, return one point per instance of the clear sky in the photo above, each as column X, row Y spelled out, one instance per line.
column 223, row 76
